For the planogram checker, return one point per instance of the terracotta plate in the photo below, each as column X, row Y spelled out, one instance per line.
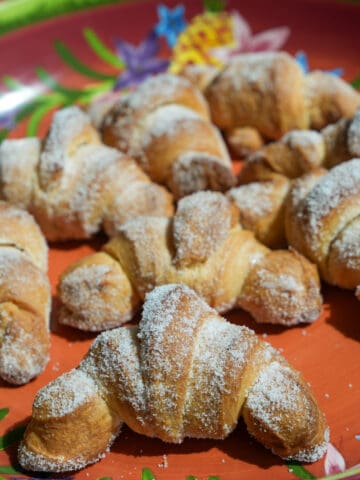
column 72, row 58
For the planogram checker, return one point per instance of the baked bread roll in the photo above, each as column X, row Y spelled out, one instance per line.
column 301, row 151
column 24, row 297
column 74, row 185
column 183, row 372
column 323, row 222
column 165, row 126
column 204, row 247
column 268, row 91
column 317, row 214
column 261, row 207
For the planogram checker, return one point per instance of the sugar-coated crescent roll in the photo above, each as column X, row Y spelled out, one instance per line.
column 165, row 126
column 322, row 222
column 204, row 247
column 269, row 91
column 73, row 184
column 183, row 372
column 318, row 214
column 302, row 151
column 24, row 297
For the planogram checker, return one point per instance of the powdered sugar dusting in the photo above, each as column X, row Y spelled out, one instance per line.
column 89, row 293
column 114, row 358
column 346, row 247
column 42, row 463
column 353, row 135
column 312, row 454
column 255, row 198
column 66, row 125
column 18, row 161
column 201, row 225
column 304, row 138
column 65, row 394
column 215, row 371
column 170, row 319
column 341, row 182
column 167, row 120
column 158, row 89
column 272, row 393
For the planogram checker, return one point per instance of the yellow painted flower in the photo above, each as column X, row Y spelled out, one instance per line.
column 204, row 32
column 213, row 38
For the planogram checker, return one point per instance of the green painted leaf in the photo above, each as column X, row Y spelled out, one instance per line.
column 356, row 82
column 11, row 437
column 101, row 50
column 299, row 471
column 36, row 117
column 3, row 411
column 191, row 477
column 49, row 80
column 18, row 13
column 213, row 478
column 105, row 478
column 8, row 470
column 69, row 58
column 348, row 474
column 12, row 83
column 147, row 474
column 3, row 134
column 214, row 6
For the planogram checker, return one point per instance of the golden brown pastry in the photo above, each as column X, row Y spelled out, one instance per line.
column 268, row 91
column 73, row 184
column 165, row 126
column 24, row 297
column 323, row 222
column 301, row 151
column 204, row 247
column 266, row 176
column 183, row 372
column 262, row 209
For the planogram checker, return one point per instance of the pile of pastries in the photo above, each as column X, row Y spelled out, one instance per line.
column 188, row 240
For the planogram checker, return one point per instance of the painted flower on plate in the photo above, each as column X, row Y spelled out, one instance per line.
column 302, row 60
column 171, row 23
column 141, row 61
column 245, row 41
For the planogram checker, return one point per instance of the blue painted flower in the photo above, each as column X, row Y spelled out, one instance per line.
column 140, row 61
column 302, row 60
column 171, row 23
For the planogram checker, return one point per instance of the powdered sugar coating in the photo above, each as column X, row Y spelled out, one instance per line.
column 167, row 120
column 67, row 124
column 304, row 138
column 201, row 224
column 272, row 394
column 42, row 463
column 347, row 246
column 65, row 394
column 341, row 182
column 255, row 197
column 353, row 135
column 18, row 160
column 160, row 88
column 221, row 352
column 275, row 401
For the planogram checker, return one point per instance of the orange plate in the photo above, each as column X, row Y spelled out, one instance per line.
column 327, row 352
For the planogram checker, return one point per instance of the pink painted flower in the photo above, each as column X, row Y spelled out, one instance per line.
column 246, row 41
column 334, row 464
column 334, row 461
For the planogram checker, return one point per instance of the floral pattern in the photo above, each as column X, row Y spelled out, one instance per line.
column 140, row 61
column 210, row 38
column 171, row 23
